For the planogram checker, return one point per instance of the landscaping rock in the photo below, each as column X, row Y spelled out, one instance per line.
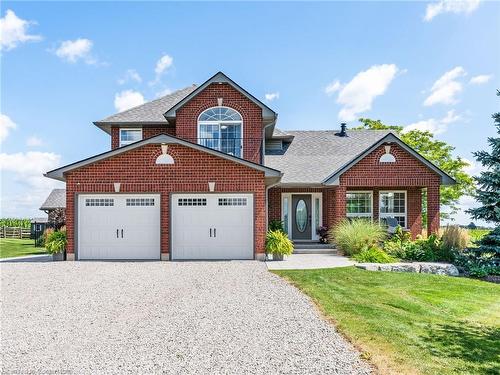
column 368, row 266
column 385, row 267
column 417, row 267
column 439, row 269
column 406, row 267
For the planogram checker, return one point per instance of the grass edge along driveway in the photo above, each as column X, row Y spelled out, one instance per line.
column 410, row 323
column 15, row 247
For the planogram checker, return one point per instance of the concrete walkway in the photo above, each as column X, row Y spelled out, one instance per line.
column 28, row 258
column 309, row 261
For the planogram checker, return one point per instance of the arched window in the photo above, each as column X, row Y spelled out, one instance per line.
column 221, row 128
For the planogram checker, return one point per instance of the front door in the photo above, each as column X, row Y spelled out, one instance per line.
column 301, row 217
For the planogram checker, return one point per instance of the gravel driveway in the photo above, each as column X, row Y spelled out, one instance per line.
column 161, row 317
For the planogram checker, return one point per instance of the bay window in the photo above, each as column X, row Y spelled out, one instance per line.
column 393, row 204
column 359, row 204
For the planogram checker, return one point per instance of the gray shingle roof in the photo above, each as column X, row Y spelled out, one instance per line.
column 315, row 155
column 56, row 199
column 151, row 111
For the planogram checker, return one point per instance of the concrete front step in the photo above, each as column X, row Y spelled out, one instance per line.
column 314, row 251
column 311, row 245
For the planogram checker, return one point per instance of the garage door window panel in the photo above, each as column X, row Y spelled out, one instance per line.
column 99, row 202
column 140, row 202
column 191, row 202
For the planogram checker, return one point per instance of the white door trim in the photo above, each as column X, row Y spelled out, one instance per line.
column 314, row 227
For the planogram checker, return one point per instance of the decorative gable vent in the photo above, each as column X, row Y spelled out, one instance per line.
column 164, row 158
column 387, row 157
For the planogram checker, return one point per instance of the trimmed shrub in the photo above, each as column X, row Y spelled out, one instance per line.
column 353, row 236
column 277, row 242
column 455, row 238
column 373, row 254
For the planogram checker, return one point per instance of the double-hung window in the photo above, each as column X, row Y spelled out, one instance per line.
column 359, row 204
column 220, row 128
column 393, row 204
column 128, row 136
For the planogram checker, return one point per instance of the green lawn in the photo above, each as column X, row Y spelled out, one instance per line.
column 12, row 247
column 410, row 323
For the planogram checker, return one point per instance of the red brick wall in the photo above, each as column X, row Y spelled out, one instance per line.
column 137, row 172
column 407, row 174
column 406, row 171
column 147, row 132
column 187, row 117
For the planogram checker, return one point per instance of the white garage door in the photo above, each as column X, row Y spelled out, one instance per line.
column 212, row 226
column 119, row 226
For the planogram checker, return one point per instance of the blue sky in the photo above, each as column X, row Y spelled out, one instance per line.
column 424, row 65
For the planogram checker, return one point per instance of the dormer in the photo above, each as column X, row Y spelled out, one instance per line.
column 221, row 115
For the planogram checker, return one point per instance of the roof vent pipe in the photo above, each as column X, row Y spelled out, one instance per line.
column 343, row 130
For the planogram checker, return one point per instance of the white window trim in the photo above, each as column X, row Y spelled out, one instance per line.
column 124, row 143
column 350, row 214
column 229, row 122
column 392, row 214
column 315, row 236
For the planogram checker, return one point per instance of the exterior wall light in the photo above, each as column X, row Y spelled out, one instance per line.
column 164, row 158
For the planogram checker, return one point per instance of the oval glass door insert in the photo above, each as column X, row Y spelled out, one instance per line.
column 301, row 215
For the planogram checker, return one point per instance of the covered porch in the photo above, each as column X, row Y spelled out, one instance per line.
column 303, row 211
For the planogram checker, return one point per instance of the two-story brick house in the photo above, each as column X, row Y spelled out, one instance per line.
column 198, row 174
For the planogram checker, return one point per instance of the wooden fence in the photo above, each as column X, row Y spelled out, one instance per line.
column 14, row 232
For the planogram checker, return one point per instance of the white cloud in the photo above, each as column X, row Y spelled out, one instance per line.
column 131, row 75
column 480, row 79
column 435, row 126
column 34, row 141
column 333, row 87
column 30, row 186
column 473, row 168
column 6, row 125
column 29, row 167
column 272, row 96
column 445, row 89
column 450, row 6
column 75, row 50
column 127, row 99
column 14, row 30
column 163, row 64
column 463, row 218
column 357, row 95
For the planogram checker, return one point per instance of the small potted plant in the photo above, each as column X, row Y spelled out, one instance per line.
column 56, row 244
column 278, row 244
column 323, row 234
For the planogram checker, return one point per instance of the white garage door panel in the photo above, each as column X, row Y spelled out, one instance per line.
column 229, row 216
column 119, row 226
